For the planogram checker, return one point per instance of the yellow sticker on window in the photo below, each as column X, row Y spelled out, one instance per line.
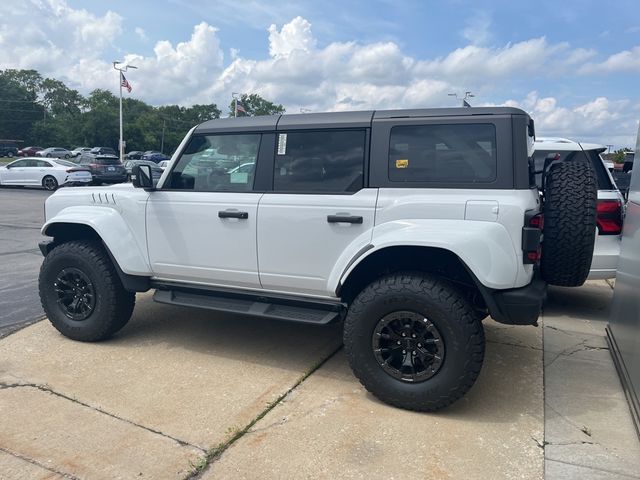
column 404, row 163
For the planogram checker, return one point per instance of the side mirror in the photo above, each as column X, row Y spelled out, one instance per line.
column 141, row 176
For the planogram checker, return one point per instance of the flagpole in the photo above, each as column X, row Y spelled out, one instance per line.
column 120, row 78
column 121, row 147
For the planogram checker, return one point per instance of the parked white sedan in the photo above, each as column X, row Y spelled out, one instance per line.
column 47, row 173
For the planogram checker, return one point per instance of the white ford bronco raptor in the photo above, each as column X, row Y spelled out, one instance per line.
column 409, row 226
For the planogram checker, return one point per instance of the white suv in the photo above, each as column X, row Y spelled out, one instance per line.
column 410, row 226
column 610, row 201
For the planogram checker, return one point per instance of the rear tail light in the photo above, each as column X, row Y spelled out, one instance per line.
column 609, row 217
column 532, row 237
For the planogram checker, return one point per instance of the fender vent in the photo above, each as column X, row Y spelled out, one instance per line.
column 103, row 198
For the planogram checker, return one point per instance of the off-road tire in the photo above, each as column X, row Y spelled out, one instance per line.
column 570, row 197
column 453, row 316
column 113, row 304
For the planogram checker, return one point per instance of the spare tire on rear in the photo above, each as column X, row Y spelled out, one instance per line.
column 570, row 196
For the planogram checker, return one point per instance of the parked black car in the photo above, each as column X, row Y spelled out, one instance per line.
column 156, row 171
column 103, row 151
column 8, row 148
column 104, row 168
column 134, row 155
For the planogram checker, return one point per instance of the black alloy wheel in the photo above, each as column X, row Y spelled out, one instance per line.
column 408, row 346
column 76, row 293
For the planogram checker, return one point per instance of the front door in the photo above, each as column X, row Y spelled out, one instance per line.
column 201, row 224
column 318, row 216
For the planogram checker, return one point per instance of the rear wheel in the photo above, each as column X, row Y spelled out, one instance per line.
column 414, row 341
column 66, row 155
column 81, row 292
column 50, row 183
column 10, row 154
column 569, row 210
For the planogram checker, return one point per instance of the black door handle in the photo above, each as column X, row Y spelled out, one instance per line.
column 233, row 214
column 344, row 219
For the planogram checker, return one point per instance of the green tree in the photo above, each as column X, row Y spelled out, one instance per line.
column 19, row 107
column 618, row 155
column 254, row 105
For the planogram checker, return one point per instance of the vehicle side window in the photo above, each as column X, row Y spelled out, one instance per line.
column 42, row 163
column 213, row 163
column 453, row 153
column 30, row 163
column 19, row 163
column 319, row 161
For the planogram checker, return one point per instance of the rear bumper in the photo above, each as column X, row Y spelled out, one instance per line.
column 119, row 178
column 517, row 306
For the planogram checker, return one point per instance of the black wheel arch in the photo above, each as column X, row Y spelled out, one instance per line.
column 65, row 232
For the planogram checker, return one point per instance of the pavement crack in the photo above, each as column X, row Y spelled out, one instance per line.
column 580, row 347
column 216, row 452
column 38, row 464
column 521, row 345
column 542, row 444
column 44, row 388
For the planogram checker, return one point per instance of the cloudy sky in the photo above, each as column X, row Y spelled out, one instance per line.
column 574, row 65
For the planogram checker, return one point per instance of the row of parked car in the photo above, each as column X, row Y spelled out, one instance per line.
column 53, row 167
column 58, row 152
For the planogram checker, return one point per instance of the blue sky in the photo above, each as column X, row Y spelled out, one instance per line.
column 574, row 65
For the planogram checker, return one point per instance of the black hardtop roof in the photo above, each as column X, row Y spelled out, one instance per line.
column 352, row 119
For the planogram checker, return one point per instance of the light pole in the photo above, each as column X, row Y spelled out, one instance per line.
column 120, row 77
column 464, row 100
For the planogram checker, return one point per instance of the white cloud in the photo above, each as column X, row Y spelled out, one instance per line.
column 49, row 34
column 600, row 120
column 295, row 35
column 625, row 61
column 478, row 28
column 142, row 35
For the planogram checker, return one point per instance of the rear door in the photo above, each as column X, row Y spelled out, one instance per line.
column 320, row 213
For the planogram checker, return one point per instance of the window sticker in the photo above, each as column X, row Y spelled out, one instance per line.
column 282, row 144
column 402, row 163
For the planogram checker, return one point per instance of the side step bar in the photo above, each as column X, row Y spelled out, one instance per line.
column 279, row 308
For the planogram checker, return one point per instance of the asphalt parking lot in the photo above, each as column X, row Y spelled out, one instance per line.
column 21, row 216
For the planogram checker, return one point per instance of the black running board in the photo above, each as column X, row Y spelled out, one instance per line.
column 279, row 308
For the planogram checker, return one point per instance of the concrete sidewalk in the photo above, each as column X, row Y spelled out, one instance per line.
column 182, row 392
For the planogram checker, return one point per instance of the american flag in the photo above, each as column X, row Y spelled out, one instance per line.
column 124, row 82
column 240, row 107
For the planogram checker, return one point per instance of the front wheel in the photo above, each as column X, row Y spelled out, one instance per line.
column 66, row 155
column 414, row 341
column 81, row 292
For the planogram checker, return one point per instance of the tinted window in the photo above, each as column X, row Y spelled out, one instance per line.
column 460, row 153
column 210, row 163
column 327, row 161
column 42, row 163
column 604, row 183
